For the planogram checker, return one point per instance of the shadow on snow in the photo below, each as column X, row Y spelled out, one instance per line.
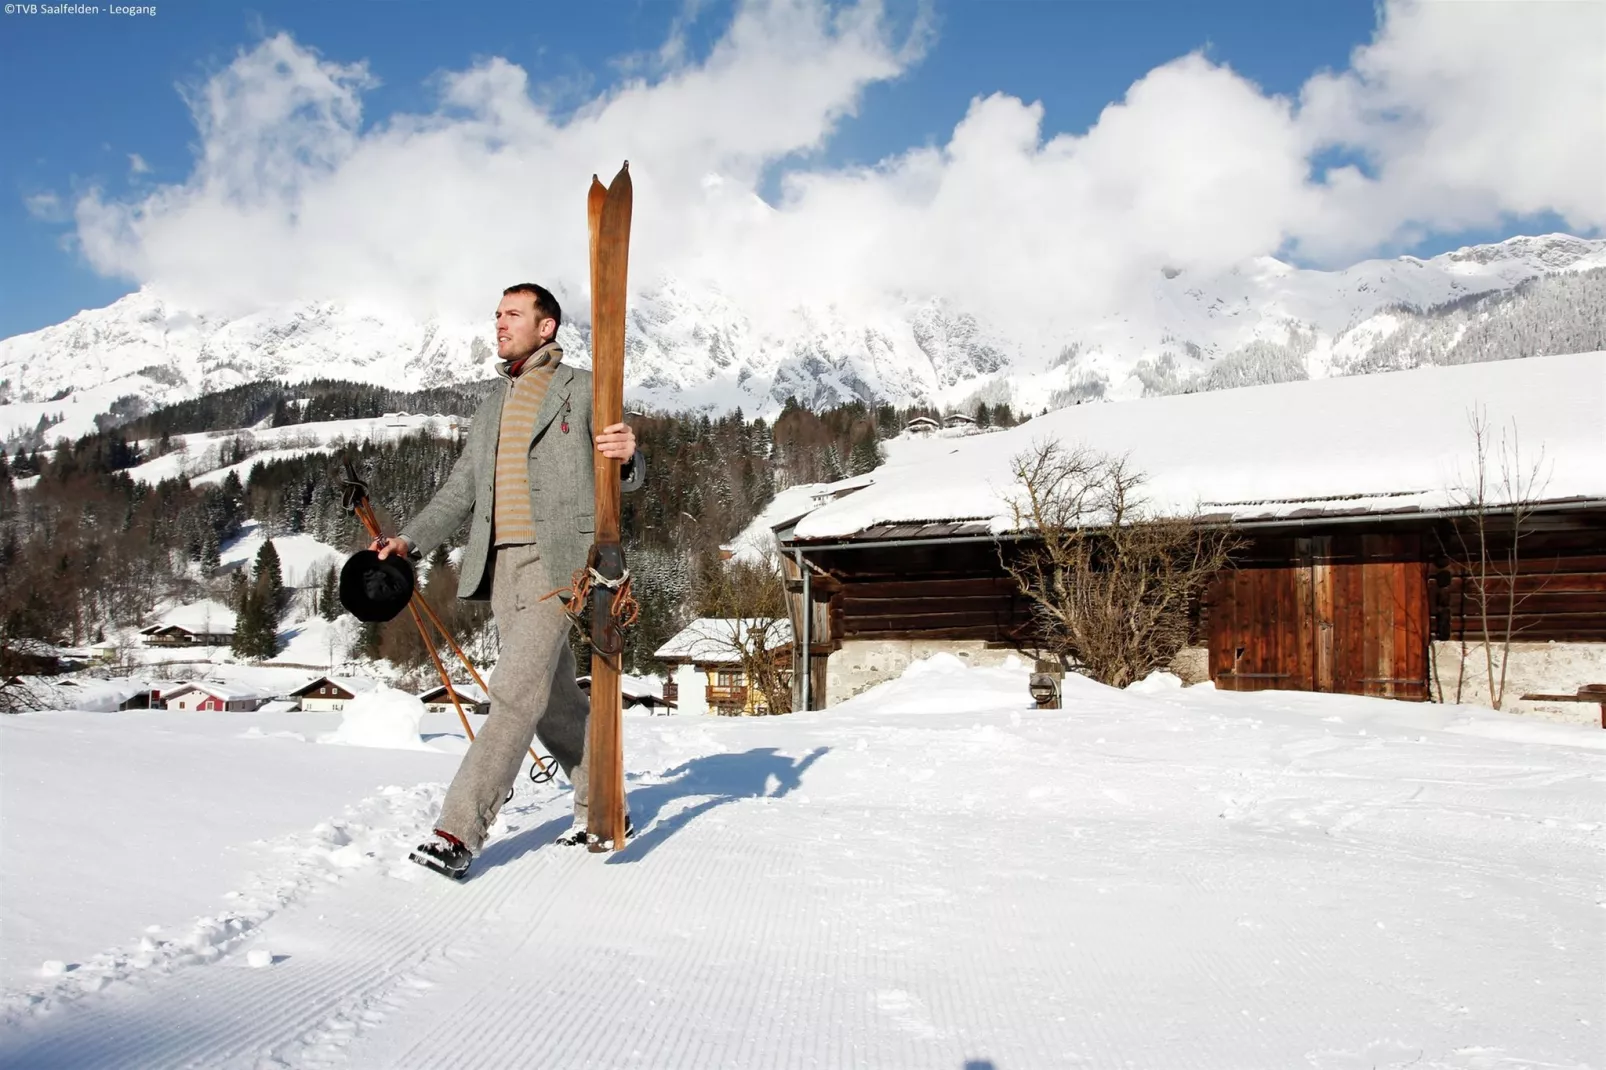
column 716, row 779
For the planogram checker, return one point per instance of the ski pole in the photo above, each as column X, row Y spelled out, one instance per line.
column 361, row 506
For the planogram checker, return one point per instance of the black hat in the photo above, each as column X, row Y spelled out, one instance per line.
column 376, row 590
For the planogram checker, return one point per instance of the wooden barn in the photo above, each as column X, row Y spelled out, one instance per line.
column 1362, row 569
column 1355, row 606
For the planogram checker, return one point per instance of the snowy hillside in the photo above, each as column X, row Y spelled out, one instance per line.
column 200, row 456
column 1265, row 321
column 930, row 875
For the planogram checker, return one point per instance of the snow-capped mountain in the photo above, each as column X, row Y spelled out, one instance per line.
column 1262, row 321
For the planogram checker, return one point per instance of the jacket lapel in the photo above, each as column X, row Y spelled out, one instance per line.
column 557, row 396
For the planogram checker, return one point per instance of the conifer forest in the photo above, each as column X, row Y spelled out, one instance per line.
column 85, row 548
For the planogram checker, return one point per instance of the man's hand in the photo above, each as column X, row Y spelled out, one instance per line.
column 394, row 545
column 617, row 441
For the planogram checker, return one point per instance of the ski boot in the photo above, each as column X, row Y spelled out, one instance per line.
column 445, row 855
column 578, row 837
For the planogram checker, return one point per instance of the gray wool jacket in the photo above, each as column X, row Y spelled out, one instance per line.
column 562, row 484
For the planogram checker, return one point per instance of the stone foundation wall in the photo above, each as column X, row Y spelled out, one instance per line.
column 863, row 663
column 1192, row 664
column 1535, row 668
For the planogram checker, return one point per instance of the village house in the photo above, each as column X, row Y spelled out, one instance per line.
column 473, row 700
column 1364, row 571
column 207, row 696
column 705, row 660
column 41, row 658
column 330, row 693
column 644, row 692
column 960, row 420
column 77, row 693
column 204, row 623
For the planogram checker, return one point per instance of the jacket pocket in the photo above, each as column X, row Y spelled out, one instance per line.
column 586, row 523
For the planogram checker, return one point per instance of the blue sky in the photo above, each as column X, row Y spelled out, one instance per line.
column 81, row 95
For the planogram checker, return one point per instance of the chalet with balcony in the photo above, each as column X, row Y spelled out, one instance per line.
column 706, row 663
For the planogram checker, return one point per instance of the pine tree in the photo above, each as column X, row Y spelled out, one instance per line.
column 8, row 489
column 865, row 457
column 211, row 556
column 269, row 584
column 329, row 597
column 832, row 464
column 369, row 640
column 247, row 625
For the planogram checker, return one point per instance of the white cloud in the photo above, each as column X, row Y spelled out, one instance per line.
column 1466, row 113
column 137, row 164
column 46, row 207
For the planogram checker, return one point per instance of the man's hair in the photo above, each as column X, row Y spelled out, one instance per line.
column 546, row 306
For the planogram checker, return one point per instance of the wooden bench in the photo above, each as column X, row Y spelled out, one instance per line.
column 1586, row 693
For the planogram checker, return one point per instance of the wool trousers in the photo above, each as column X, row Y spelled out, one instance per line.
column 533, row 696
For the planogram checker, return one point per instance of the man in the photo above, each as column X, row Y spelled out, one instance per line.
column 526, row 476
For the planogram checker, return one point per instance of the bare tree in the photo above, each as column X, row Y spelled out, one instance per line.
column 751, row 597
column 30, row 694
column 1111, row 583
column 1493, row 565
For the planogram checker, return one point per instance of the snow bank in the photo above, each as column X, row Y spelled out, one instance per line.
column 382, row 718
column 1156, row 683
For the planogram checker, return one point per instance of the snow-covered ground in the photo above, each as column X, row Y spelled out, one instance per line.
column 930, row 875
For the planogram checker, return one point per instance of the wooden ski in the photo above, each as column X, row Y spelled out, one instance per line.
column 608, row 215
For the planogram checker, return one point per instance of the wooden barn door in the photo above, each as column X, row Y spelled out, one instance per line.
column 1380, row 613
column 1348, row 614
column 1260, row 637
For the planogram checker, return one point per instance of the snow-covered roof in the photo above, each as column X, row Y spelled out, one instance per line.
column 206, row 615
column 465, row 693
column 82, row 693
column 226, row 692
column 630, row 686
column 357, row 685
column 713, row 639
column 38, row 648
column 1395, row 441
column 756, row 542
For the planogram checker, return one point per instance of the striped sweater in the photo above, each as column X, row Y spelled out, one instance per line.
column 512, row 519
